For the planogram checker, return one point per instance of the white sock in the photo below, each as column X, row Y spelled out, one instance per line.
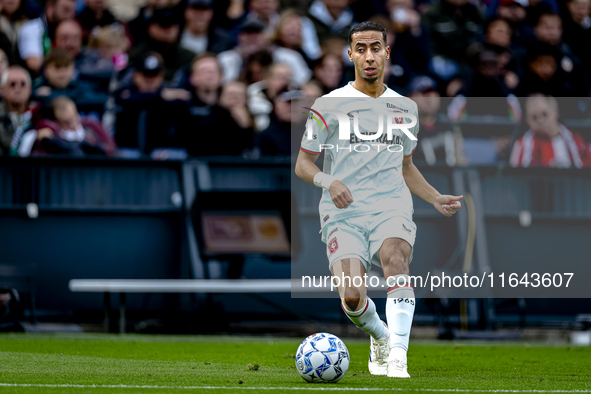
column 400, row 308
column 367, row 319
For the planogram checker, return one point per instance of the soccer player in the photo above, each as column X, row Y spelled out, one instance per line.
column 366, row 206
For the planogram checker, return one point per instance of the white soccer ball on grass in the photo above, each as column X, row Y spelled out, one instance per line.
column 322, row 358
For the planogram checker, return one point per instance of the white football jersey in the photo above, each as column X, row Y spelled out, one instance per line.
column 371, row 169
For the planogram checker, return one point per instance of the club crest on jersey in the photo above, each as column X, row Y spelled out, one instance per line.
column 333, row 246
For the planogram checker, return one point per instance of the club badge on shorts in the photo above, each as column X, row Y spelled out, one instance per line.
column 333, row 245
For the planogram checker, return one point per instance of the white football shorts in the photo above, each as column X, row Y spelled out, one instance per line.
column 361, row 237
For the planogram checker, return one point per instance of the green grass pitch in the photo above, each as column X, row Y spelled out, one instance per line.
column 165, row 364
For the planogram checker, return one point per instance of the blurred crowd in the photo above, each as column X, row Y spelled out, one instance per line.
column 201, row 77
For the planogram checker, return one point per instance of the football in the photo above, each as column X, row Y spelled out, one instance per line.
column 322, row 358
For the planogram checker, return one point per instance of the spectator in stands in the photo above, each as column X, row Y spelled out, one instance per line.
column 515, row 13
column 328, row 72
column 141, row 104
column 578, row 10
column 163, row 35
column 509, row 67
column 498, row 33
column 94, row 14
column 89, row 64
column 336, row 46
column 138, row 27
column 438, row 144
column 538, row 7
column 68, row 135
column 36, row 35
column 484, row 143
column 262, row 94
column 288, row 34
column 409, row 42
column 277, row 139
column 486, row 80
column 12, row 18
column 16, row 115
column 264, row 11
column 211, row 128
column 577, row 30
column 108, row 44
column 543, row 73
column 311, row 89
column 454, row 25
column 257, row 66
column 547, row 142
column 328, row 18
column 233, row 98
column 250, row 40
column 200, row 34
column 68, row 36
column 205, row 80
column 548, row 29
column 58, row 80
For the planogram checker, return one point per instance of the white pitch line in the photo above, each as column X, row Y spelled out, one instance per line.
column 124, row 386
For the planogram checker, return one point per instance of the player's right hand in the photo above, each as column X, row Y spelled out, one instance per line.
column 340, row 194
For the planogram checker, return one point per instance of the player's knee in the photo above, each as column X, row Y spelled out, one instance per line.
column 352, row 303
column 396, row 264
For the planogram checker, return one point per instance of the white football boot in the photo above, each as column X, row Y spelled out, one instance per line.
column 397, row 364
column 378, row 356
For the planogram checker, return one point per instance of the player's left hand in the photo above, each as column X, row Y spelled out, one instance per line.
column 448, row 205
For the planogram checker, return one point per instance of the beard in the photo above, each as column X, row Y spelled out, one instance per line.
column 370, row 80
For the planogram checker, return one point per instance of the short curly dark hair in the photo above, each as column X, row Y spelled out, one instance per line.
column 59, row 58
column 368, row 26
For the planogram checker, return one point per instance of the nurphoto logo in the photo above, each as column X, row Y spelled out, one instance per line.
column 384, row 137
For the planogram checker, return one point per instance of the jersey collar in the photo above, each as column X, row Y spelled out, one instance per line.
column 360, row 92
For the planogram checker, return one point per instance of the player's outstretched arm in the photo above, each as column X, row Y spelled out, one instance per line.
column 446, row 204
column 307, row 170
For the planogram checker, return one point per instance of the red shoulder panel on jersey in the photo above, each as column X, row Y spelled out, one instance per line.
column 413, row 151
column 310, row 152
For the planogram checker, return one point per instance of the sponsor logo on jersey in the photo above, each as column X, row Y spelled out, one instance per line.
column 396, row 140
column 325, row 218
column 333, row 246
column 390, row 105
column 333, row 231
column 406, row 229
